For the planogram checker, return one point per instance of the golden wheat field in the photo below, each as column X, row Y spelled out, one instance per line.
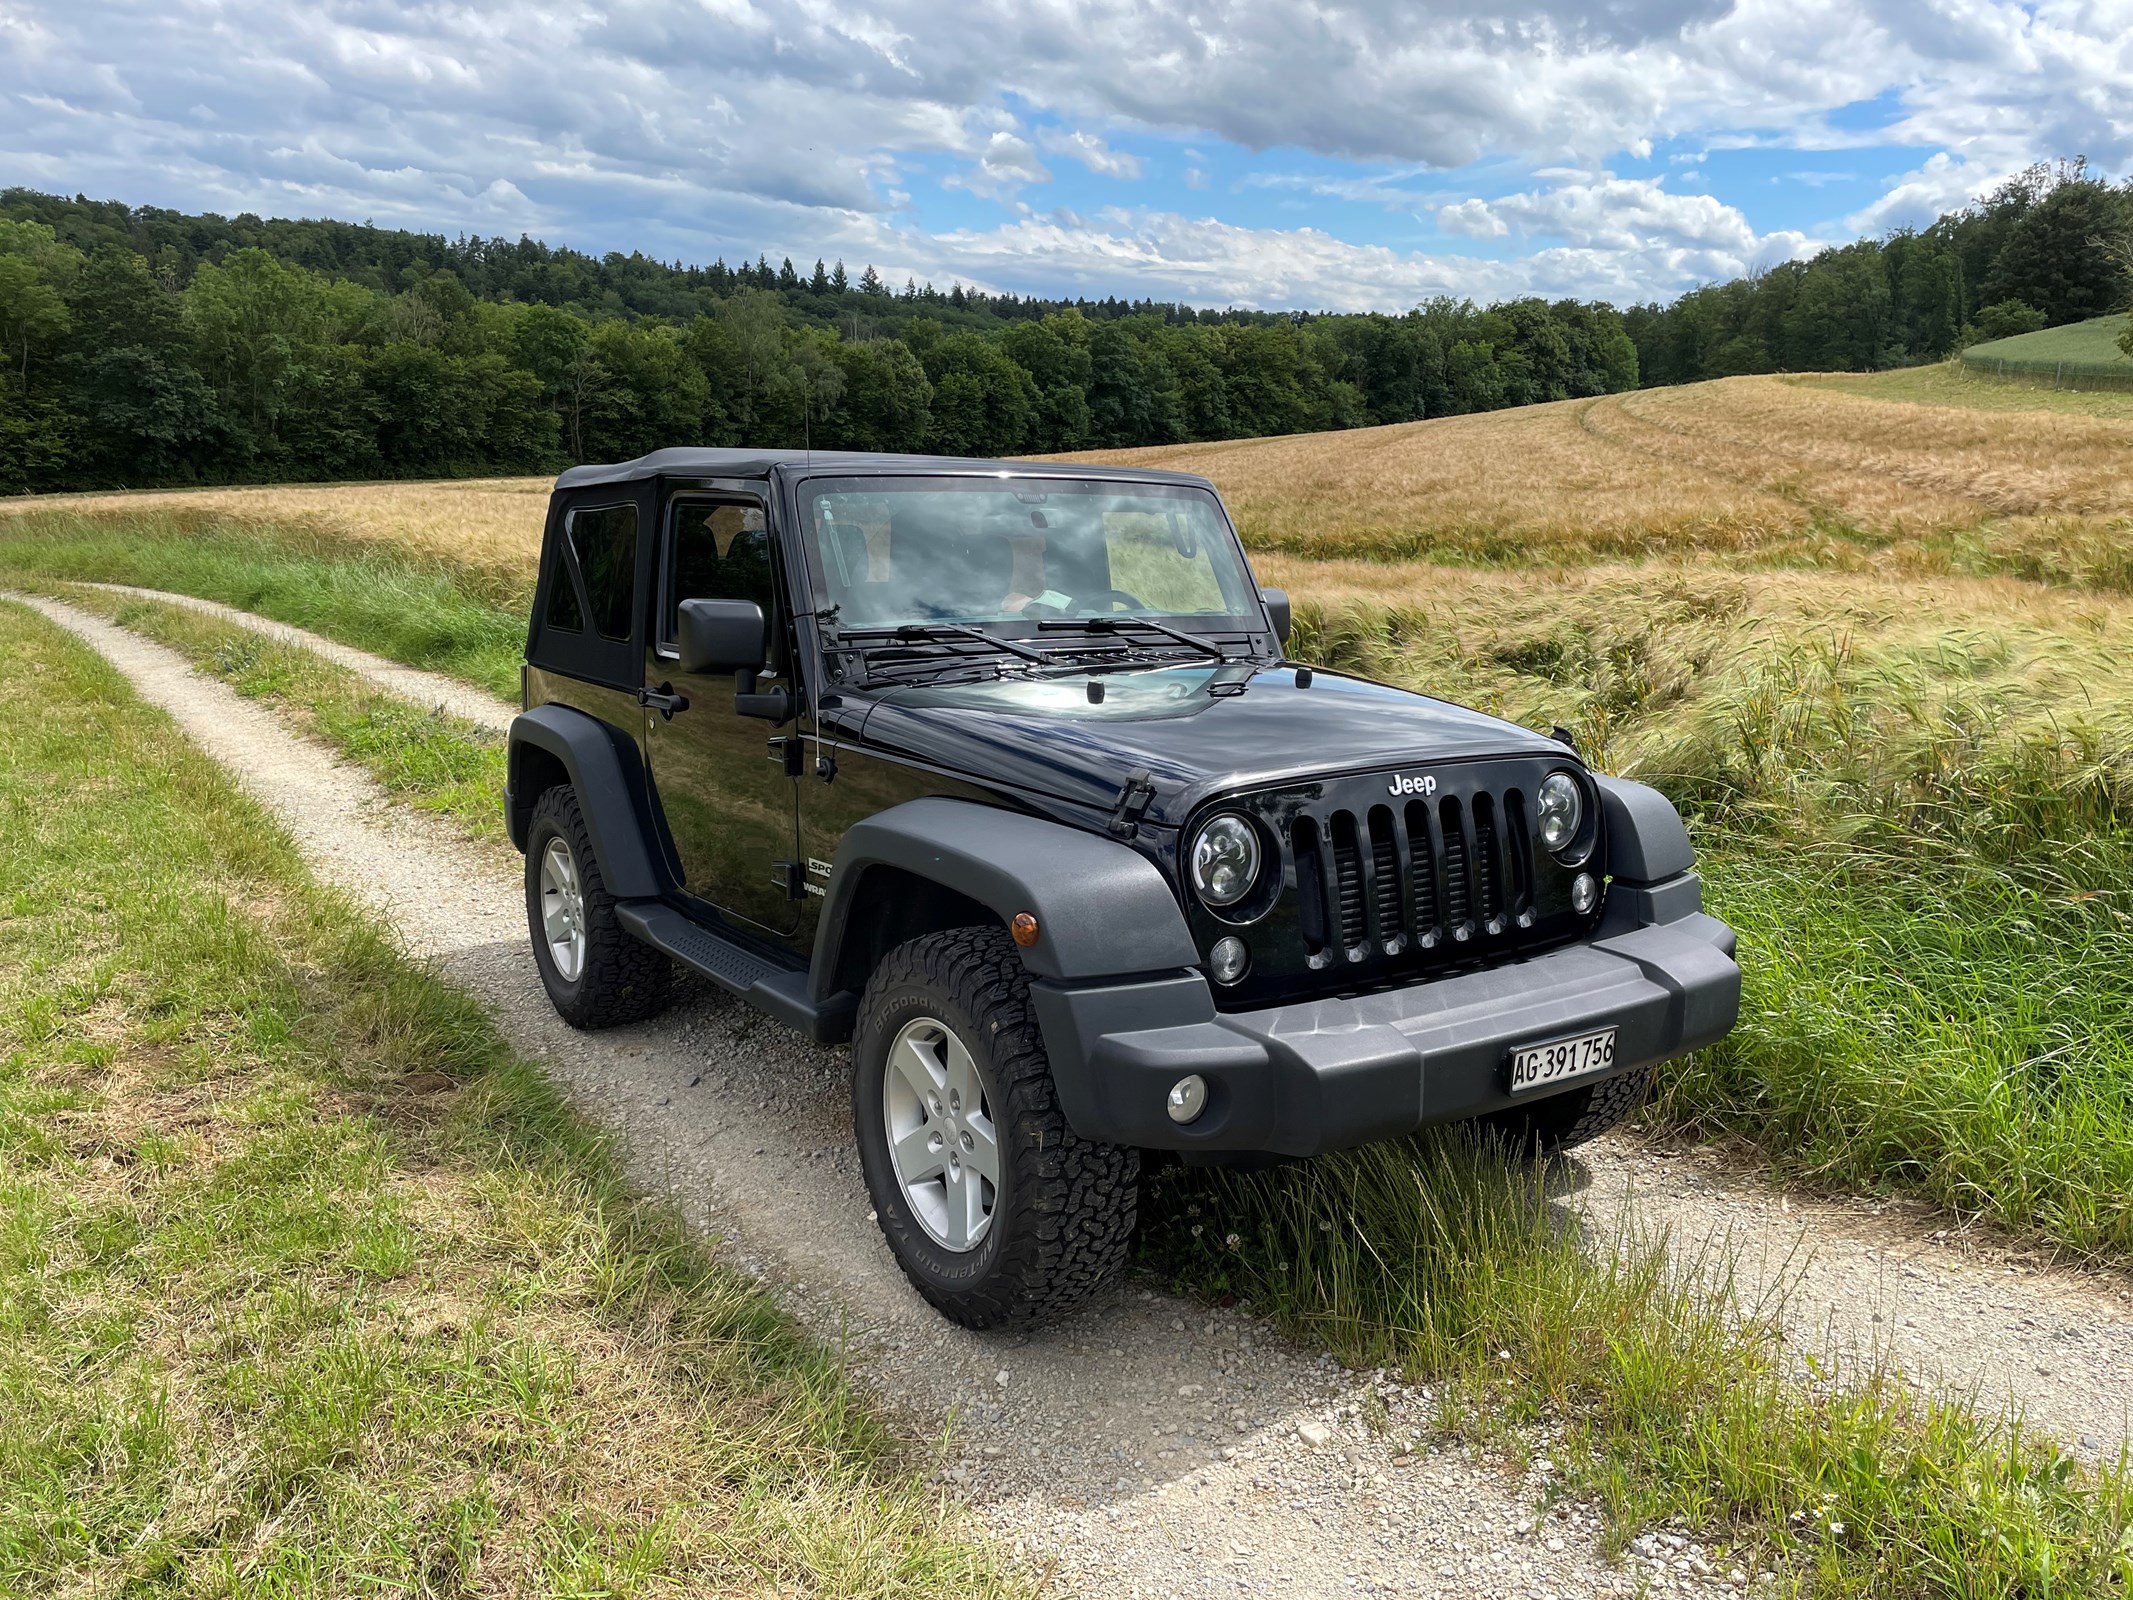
column 1949, row 475
column 479, row 522
column 1829, row 597
column 1820, row 471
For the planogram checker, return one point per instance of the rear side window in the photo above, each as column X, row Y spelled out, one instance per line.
column 605, row 538
column 563, row 612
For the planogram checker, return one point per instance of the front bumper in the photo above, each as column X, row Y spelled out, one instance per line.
column 1301, row 1079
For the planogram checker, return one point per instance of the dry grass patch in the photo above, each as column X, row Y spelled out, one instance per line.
column 487, row 523
column 1763, row 470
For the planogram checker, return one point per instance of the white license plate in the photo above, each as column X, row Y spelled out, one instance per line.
column 1542, row 1066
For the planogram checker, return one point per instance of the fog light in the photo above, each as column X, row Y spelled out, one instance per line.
column 1584, row 893
column 1188, row 1098
column 1228, row 959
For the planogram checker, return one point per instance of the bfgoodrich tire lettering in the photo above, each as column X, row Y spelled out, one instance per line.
column 1062, row 1217
column 1564, row 1120
column 619, row 979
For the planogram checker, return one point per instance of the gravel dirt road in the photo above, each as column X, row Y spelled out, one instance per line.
column 1149, row 1445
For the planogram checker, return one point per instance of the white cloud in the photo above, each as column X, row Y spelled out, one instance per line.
column 1094, row 154
column 1006, row 165
column 1625, row 214
column 809, row 126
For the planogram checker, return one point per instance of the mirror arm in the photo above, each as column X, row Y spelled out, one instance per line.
column 773, row 705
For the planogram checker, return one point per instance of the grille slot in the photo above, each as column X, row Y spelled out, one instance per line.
column 1458, row 876
column 1488, row 864
column 1348, row 881
column 1385, row 896
column 1310, row 885
column 1422, row 868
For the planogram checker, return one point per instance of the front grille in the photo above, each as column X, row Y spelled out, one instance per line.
column 1378, row 878
column 1420, row 876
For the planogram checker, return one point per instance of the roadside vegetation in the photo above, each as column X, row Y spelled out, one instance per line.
column 426, row 759
column 456, row 616
column 307, row 1285
column 1646, row 1384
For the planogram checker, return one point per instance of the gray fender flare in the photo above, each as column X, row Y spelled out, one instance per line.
column 604, row 767
column 1646, row 842
column 1102, row 909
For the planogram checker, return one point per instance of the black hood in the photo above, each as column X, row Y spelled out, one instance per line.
column 1198, row 729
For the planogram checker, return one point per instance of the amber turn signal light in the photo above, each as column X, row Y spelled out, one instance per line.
column 1024, row 928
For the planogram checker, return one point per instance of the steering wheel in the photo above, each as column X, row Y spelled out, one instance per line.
column 1108, row 599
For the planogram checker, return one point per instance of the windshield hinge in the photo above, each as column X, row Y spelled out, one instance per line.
column 1133, row 802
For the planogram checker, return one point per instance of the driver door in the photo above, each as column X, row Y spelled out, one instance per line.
column 731, row 812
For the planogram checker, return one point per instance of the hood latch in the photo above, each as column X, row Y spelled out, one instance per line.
column 1133, row 803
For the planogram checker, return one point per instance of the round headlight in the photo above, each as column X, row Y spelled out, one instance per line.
column 1562, row 808
column 1225, row 860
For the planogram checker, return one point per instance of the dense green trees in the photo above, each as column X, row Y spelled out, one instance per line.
column 2038, row 251
column 141, row 346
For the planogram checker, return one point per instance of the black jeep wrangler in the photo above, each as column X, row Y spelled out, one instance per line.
column 998, row 771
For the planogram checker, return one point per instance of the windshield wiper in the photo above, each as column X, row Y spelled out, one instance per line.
column 1120, row 624
column 941, row 632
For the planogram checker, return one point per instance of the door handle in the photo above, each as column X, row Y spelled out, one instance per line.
column 663, row 700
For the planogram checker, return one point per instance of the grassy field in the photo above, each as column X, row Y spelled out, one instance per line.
column 307, row 1286
column 2078, row 344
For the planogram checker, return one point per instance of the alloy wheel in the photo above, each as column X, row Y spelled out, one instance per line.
column 942, row 1142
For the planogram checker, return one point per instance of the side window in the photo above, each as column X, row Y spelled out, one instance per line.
column 563, row 612
column 605, row 538
column 720, row 551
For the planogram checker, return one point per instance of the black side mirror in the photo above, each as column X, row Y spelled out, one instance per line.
column 722, row 636
column 1276, row 602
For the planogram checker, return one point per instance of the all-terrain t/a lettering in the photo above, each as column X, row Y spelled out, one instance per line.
column 823, row 728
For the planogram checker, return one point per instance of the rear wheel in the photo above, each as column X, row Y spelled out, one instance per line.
column 596, row 975
column 992, row 1206
column 1563, row 1121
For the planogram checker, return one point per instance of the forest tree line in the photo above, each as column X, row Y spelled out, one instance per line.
column 141, row 346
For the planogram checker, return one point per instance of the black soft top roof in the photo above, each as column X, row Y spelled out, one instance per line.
column 846, row 463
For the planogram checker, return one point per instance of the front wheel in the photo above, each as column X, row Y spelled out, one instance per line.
column 992, row 1206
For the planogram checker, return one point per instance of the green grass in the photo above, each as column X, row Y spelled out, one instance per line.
column 1660, row 1396
column 1949, row 383
column 443, row 618
column 1962, row 1035
column 427, row 759
column 307, row 1285
column 2077, row 350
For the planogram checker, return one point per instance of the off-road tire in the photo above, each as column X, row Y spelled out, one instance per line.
column 1063, row 1216
column 1563, row 1121
column 624, row 979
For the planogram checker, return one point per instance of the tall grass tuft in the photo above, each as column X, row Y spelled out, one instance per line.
column 1665, row 1396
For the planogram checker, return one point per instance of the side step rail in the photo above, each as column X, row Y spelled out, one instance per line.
column 781, row 991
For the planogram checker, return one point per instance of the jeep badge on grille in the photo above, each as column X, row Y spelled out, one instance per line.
column 1403, row 784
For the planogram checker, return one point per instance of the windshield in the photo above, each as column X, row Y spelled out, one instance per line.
column 900, row 552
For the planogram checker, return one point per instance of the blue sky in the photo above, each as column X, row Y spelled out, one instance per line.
column 1343, row 154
